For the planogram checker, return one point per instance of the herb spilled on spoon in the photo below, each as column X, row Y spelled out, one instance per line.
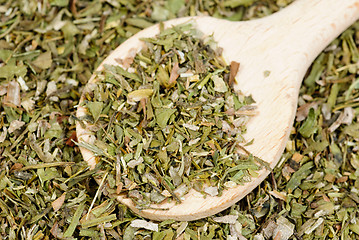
column 171, row 121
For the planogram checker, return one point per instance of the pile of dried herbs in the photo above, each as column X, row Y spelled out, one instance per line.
column 48, row 51
column 172, row 122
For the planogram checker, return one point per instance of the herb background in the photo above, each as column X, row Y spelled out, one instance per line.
column 48, row 51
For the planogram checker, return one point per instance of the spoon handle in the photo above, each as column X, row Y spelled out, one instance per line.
column 313, row 24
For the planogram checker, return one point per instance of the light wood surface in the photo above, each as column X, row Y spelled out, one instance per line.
column 285, row 44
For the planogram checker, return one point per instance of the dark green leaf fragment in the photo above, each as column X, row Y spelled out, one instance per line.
column 298, row 176
column 309, row 127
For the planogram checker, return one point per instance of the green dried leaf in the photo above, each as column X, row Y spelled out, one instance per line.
column 162, row 116
column 46, row 174
column 139, row 94
column 316, row 71
column 97, row 221
column 129, row 233
column 9, row 71
column 123, row 72
column 309, row 127
column 43, row 61
column 352, row 130
column 59, row 3
column 175, row 5
column 353, row 86
column 354, row 228
column 316, row 147
column 5, row 54
column 297, row 209
column 139, row 22
column 55, row 131
column 159, row 235
column 159, row 13
column 95, row 109
column 75, row 220
column 298, row 176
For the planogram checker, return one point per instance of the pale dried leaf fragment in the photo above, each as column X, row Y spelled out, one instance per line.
column 15, row 125
column 127, row 61
column 84, row 45
column 151, row 179
column 3, row 89
column 28, row 104
column 56, row 231
column 134, row 163
column 174, row 74
column 181, row 229
column 226, row 127
column 279, row 195
column 190, row 76
column 181, row 190
column 3, row 134
column 43, row 61
column 310, row 229
column 156, row 197
column 236, row 229
column 284, row 227
column 212, row 191
column 193, row 141
column 269, row 228
column 230, row 237
column 176, row 178
column 303, row 111
column 57, row 204
column 13, row 93
column 9, row 71
column 191, row 126
column 219, row 84
column 259, row 236
column 40, row 87
column 349, row 114
column 231, row 219
column 51, row 88
column 345, row 117
column 167, row 193
column 22, row 83
column 139, row 94
column 241, row 121
column 230, row 184
column 138, row 223
column 57, row 22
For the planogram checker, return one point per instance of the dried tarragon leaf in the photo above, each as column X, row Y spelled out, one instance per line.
column 172, row 120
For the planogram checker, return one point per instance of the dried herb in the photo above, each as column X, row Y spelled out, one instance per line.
column 38, row 100
column 173, row 120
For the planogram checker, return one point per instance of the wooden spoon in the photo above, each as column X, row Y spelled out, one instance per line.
column 283, row 45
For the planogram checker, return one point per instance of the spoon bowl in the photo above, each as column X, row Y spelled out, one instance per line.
column 274, row 54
